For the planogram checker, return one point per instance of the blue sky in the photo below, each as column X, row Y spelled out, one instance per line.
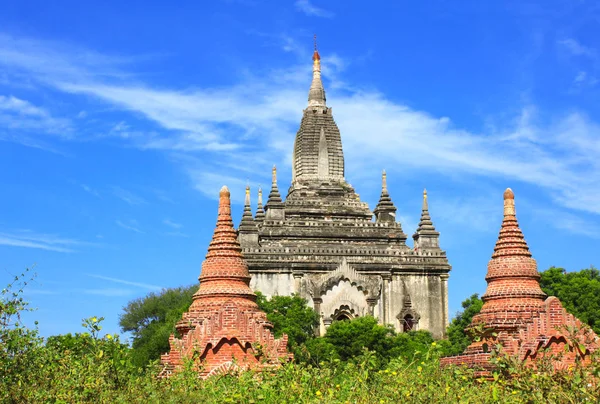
column 119, row 123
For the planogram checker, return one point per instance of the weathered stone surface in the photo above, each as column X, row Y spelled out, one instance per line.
column 516, row 313
column 224, row 324
column 324, row 243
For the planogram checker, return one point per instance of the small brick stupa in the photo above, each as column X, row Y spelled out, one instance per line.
column 516, row 313
column 224, row 328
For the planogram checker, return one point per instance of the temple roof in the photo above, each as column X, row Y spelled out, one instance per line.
column 318, row 154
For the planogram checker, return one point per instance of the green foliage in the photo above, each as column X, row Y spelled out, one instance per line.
column 579, row 292
column 19, row 345
column 457, row 338
column 290, row 315
column 348, row 340
column 151, row 320
column 90, row 368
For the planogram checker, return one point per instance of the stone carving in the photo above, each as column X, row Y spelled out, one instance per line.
column 319, row 285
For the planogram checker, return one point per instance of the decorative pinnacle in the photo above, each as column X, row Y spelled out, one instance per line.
column 509, row 203
column 384, row 181
column 316, row 55
column 247, row 195
column 274, row 196
column 425, row 204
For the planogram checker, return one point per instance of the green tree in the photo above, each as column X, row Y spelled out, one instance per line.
column 151, row 320
column 19, row 346
column 351, row 337
column 457, row 337
column 290, row 315
column 578, row 291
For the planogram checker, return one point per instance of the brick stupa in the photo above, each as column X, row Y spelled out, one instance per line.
column 516, row 313
column 224, row 328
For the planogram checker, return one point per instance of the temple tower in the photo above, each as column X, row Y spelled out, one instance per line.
column 325, row 244
column 516, row 313
column 224, row 322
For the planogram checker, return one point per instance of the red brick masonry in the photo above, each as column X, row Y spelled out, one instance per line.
column 516, row 313
column 224, row 328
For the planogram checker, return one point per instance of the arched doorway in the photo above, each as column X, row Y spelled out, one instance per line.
column 408, row 323
column 342, row 317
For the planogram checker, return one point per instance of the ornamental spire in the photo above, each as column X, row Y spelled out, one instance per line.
column 224, row 271
column 260, row 212
column 247, row 224
column 274, row 196
column 426, row 236
column 385, row 211
column 512, row 277
column 425, row 224
column 316, row 94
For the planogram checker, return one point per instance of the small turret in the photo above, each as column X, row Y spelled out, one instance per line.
column 426, row 237
column 385, row 211
column 260, row 211
column 248, row 232
column 275, row 206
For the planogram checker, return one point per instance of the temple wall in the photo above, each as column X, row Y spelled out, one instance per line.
column 273, row 284
column 426, row 294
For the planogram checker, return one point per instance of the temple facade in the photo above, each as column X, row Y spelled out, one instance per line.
column 325, row 244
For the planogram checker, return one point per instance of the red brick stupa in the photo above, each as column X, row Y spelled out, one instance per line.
column 224, row 328
column 516, row 313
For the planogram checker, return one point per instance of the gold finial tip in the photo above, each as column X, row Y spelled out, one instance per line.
column 247, row 189
column 425, row 191
column 383, row 173
column 316, row 55
column 509, row 194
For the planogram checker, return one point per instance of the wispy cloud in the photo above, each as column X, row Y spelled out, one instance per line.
column 128, row 196
column 90, row 190
column 49, row 242
column 251, row 125
column 130, row 225
column 575, row 48
column 310, row 9
column 126, row 282
column 109, row 292
column 172, row 224
column 176, row 234
column 21, row 121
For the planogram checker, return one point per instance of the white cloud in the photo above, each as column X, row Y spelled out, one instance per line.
column 172, row 224
column 128, row 196
column 131, row 225
column 49, row 242
column 109, row 292
column 19, row 114
column 126, row 282
column 250, row 125
column 90, row 190
column 576, row 48
column 310, row 9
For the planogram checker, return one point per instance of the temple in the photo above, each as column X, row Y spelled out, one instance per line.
column 224, row 328
column 516, row 313
column 323, row 243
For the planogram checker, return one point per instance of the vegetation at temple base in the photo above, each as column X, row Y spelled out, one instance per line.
column 93, row 367
column 290, row 315
column 151, row 320
column 457, row 337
